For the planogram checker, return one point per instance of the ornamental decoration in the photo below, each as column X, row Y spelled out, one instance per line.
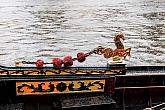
column 117, row 54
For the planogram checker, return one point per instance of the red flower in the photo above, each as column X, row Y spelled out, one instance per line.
column 57, row 62
column 81, row 57
column 68, row 61
column 39, row 63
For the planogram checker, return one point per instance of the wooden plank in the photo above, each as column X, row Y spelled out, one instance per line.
column 54, row 87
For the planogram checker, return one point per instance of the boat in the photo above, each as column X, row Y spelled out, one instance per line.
column 63, row 87
column 113, row 87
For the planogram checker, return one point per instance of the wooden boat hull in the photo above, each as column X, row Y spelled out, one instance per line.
column 115, row 87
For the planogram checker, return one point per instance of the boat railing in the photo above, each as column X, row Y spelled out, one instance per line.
column 160, row 106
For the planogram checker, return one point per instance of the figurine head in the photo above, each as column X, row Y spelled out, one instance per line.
column 119, row 36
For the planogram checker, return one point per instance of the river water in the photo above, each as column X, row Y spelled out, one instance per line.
column 45, row 29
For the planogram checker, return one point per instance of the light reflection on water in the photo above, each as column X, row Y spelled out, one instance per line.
column 44, row 29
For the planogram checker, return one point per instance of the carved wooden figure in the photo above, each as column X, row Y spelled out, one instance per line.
column 119, row 51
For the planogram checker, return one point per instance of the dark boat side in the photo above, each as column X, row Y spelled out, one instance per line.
column 141, row 87
column 113, row 87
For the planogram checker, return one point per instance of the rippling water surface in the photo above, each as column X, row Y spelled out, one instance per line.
column 44, row 29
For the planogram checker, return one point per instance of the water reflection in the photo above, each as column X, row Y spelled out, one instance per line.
column 44, row 29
